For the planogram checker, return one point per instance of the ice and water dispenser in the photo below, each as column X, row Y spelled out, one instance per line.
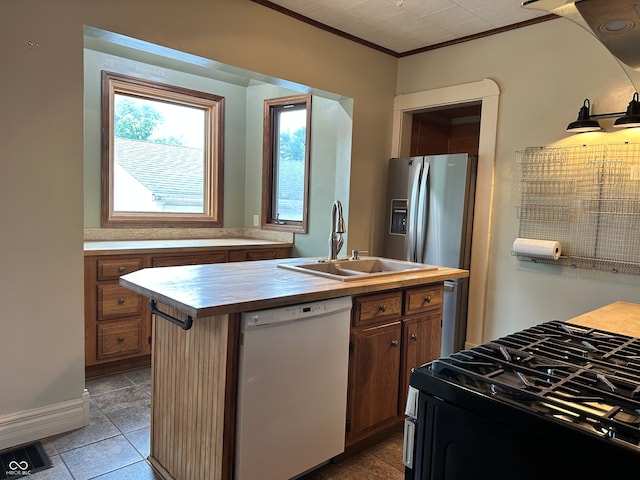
column 398, row 217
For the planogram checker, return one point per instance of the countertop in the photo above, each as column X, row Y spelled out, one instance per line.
column 617, row 317
column 114, row 247
column 221, row 288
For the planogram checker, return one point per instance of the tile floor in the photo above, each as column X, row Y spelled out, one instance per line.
column 115, row 444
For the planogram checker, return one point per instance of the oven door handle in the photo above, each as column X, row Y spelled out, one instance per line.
column 408, row 445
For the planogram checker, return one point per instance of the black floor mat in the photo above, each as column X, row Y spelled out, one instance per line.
column 23, row 461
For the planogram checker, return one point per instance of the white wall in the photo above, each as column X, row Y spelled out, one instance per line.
column 41, row 321
column 544, row 72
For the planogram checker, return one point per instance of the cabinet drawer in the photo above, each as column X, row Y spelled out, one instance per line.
column 112, row 269
column 258, row 254
column 119, row 338
column 372, row 309
column 116, row 301
column 423, row 299
column 195, row 259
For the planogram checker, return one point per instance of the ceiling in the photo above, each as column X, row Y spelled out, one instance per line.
column 404, row 27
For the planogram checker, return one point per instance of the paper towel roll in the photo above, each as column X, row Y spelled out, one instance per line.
column 537, row 248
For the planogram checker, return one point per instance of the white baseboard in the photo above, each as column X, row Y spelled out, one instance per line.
column 38, row 423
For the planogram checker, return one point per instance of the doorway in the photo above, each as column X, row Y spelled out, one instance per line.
column 446, row 129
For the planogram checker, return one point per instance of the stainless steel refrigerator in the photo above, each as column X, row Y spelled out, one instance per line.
column 430, row 203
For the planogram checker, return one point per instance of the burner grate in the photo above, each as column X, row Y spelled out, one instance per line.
column 567, row 372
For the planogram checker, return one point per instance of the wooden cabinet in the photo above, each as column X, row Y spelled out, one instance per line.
column 258, row 254
column 374, row 368
column 421, row 337
column 391, row 333
column 190, row 259
column 118, row 321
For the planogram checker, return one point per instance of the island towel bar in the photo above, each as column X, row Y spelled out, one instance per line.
column 185, row 325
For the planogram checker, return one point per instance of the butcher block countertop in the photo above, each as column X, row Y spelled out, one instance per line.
column 118, row 247
column 617, row 317
column 221, row 288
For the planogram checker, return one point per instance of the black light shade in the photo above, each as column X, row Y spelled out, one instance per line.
column 584, row 123
column 632, row 117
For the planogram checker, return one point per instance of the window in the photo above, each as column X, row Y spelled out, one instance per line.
column 162, row 154
column 285, row 189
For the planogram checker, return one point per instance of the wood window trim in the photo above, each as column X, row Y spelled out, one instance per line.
column 267, row 221
column 214, row 151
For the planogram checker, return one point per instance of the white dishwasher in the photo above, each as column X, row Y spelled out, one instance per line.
column 292, row 389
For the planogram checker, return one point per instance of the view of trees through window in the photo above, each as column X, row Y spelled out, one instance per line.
column 289, row 188
column 162, row 157
column 168, row 175
column 285, row 183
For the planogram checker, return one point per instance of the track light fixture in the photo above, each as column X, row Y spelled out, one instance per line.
column 586, row 122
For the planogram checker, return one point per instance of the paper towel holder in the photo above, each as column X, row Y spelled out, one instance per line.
column 535, row 250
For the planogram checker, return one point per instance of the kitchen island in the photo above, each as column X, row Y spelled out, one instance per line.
column 195, row 354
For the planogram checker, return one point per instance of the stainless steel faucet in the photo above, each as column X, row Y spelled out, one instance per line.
column 337, row 229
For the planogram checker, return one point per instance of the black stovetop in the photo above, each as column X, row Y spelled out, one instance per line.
column 585, row 377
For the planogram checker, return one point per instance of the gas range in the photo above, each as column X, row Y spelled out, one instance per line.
column 557, row 381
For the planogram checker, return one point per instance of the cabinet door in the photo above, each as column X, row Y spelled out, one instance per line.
column 421, row 337
column 373, row 379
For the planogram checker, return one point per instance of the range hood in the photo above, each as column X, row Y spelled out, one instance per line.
column 616, row 23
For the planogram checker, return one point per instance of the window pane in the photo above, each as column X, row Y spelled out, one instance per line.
column 290, row 163
column 159, row 156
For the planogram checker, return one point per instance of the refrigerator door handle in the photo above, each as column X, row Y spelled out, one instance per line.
column 423, row 213
column 415, row 172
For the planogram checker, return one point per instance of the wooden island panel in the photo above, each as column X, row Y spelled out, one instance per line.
column 193, row 392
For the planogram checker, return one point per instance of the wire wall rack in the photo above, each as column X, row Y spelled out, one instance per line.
column 587, row 197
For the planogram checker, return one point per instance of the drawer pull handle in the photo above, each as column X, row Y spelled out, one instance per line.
column 394, row 343
column 427, row 299
column 121, row 268
column 414, row 337
column 120, row 339
column 383, row 308
column 121, row 301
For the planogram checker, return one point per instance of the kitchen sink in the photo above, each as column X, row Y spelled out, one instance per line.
column 358, row 269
